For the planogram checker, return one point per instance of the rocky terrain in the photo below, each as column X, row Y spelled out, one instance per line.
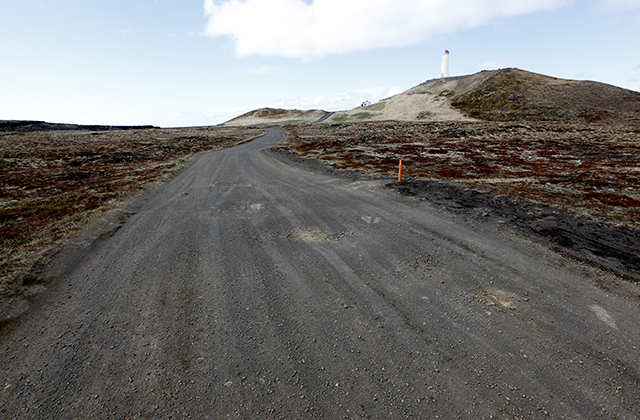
column 573, row 183
column 53, row 182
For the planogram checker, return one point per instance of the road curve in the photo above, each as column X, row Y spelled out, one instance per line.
column 324, row 117
column 251, row 286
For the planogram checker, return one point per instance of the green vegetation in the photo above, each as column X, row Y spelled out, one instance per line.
column 362, row 115
column 425, row 115
column 517, row 95
column 340, row 117
column 376, row 107
column 283, row 123
column 358, row 116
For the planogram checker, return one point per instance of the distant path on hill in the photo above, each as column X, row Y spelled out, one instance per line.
column 255, row 286
column 327, row 115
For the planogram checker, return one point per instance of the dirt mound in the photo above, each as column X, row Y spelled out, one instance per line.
column 21, row 126
column 272, row 116
column 513, row 95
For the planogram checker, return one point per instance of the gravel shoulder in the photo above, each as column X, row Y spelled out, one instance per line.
column 612, row 248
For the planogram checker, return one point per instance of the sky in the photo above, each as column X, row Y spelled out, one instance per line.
column 178, row 63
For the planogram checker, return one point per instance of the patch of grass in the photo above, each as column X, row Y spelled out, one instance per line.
column 362, row 115
column 19, row 220
column 282, row 123
column 343, row 117
column 517, row 95
column 340, row 117
column 425, row 115
column 378, row 106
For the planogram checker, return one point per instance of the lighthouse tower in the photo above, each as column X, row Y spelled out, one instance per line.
column 444, row 71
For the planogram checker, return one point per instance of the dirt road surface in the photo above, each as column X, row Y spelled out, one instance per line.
column 254, row 286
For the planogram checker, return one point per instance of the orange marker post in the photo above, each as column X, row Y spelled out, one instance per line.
column 400, row 171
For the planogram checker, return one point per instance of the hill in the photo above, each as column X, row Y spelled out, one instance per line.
column 490, row 95
column 429, row 101
column 513, row 94
column 276, row 116
column 503, row 95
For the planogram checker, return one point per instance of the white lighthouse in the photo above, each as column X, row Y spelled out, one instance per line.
column 444, row 71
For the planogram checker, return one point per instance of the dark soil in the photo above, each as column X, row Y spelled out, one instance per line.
column 22, row 126
column 609, row 247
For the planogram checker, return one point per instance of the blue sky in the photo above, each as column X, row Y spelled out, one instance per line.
column 175, row 63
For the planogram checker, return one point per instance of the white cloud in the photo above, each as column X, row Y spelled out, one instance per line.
column 393, row 91
column 352, row 99
column 621, row 4
column 261, row 70
column 214, row 112
column 200, row 118
column 295, row 28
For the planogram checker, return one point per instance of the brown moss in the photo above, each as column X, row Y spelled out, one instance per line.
column 590, row 168
column 48, row 178
column 517, row 95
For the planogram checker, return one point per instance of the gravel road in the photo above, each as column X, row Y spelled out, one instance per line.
column 254, row 286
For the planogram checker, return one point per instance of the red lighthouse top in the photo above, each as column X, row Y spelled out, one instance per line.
column 446, row 51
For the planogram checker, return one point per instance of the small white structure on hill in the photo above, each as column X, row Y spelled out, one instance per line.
column 444, row 70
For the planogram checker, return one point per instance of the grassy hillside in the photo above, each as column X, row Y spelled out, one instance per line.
column 513, row 95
